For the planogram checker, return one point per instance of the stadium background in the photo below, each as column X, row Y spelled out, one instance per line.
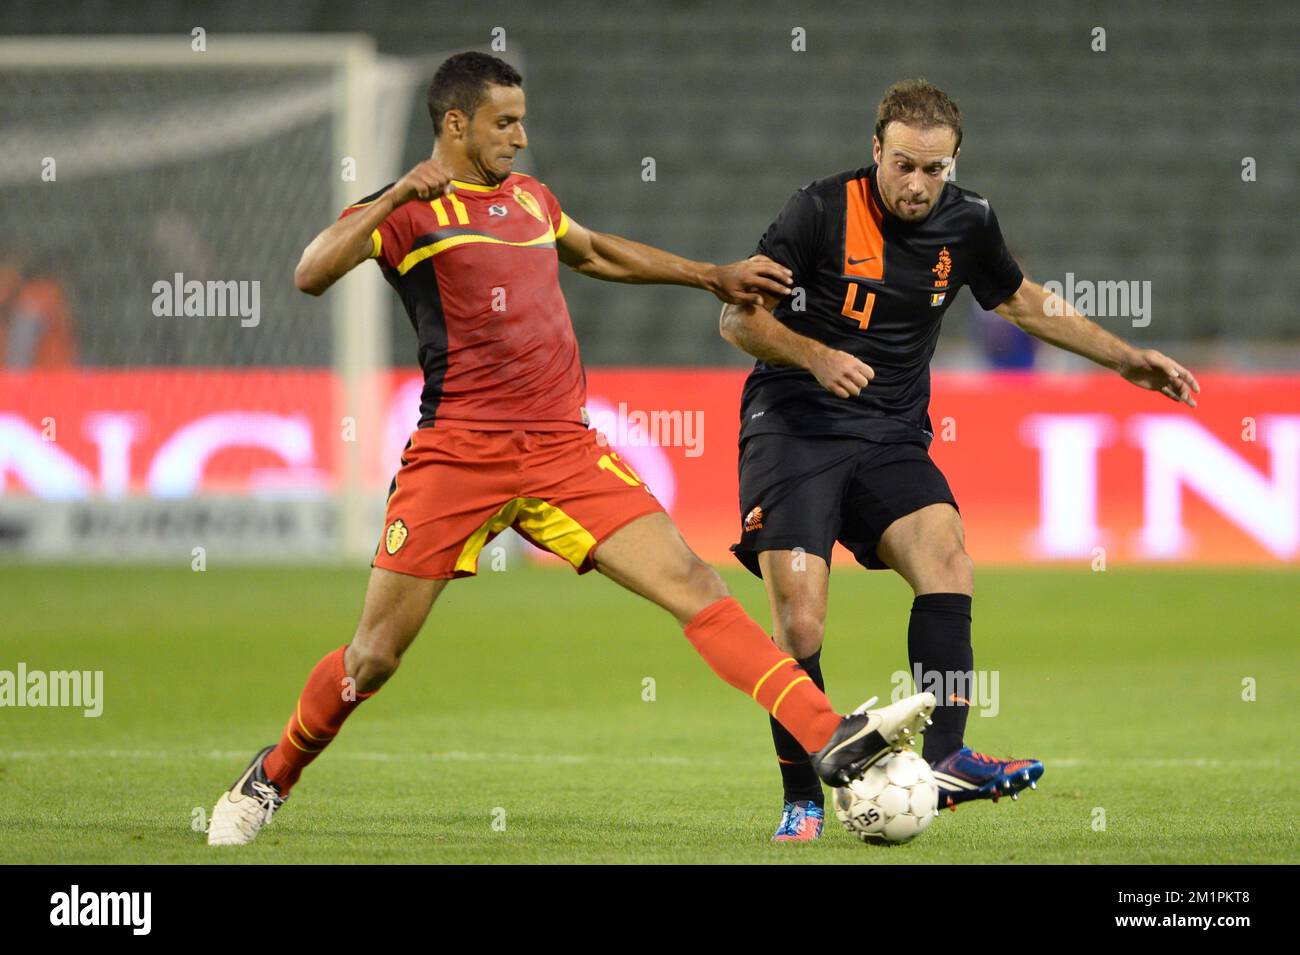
column 1123, row 164
column 1154, row 690
column 1117, row 165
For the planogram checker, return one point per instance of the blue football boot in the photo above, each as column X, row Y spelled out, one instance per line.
column 964, row 775
column 800, row 822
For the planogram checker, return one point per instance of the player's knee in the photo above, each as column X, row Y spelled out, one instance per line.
column 706, row 582
column 698, row 586
column 956, row 571
column 371, row 660
column 801, row 631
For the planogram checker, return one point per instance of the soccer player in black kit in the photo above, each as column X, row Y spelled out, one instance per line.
column 835, row 430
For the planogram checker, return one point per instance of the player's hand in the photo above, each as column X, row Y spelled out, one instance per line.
column 840, row 373
column 1158, row 372
column 428, row 180
column 744, row 283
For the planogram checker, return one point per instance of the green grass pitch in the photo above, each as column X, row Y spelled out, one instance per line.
column 522, row 703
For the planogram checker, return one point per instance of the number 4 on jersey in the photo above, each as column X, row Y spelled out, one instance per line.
column 850, row 310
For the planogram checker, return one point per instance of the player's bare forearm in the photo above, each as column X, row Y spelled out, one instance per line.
column 614, row 258
column 755, row 330
column 1052, row 319
column 340, row 248
column 348, row 242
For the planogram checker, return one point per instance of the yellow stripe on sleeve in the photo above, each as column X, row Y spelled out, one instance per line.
column 378, row 244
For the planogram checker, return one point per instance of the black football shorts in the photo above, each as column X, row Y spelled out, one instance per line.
column 808, row 492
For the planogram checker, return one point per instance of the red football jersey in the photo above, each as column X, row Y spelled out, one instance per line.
column 479, row 277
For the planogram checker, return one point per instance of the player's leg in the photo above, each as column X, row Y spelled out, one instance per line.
column 586, row 504
column 649, row 558
column 900, row 513
column 927, row 548
column 395, row 608
column 796, row 584
column 454, row 490
column 790, row 493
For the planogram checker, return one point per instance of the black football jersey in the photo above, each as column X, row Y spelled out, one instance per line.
column 871, row 284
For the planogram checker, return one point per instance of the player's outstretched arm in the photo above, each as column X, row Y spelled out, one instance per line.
column 755, row 330
column 347, row 243
column 1059, row 324
column 616, row 259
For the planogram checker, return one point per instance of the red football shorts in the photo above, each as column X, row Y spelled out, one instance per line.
column 457, row 489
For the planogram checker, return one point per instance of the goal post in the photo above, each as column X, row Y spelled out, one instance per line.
column 164, row 187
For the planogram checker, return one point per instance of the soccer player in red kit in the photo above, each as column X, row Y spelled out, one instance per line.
column 473, row 249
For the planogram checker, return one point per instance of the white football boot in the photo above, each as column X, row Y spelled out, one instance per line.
column 245, row 807
column 866, row 736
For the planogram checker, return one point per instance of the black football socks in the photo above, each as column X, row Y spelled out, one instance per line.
column 797, row 775
column 939, row 649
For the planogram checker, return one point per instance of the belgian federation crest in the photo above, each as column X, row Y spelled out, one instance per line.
column 395, row 537
column 530, row 204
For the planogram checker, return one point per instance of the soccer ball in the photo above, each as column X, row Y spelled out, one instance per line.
column 894, row 801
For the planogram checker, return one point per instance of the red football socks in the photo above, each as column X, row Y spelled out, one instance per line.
column 738, row 650
column 326, row 701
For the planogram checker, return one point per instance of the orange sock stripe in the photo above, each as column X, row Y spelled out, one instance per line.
column 793, row 683
column 763, row 679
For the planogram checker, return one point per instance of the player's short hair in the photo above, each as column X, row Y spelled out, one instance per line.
column 918, row 103
column 462, row 81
